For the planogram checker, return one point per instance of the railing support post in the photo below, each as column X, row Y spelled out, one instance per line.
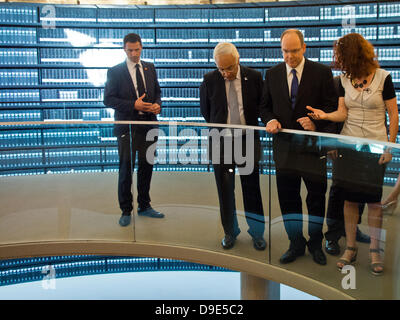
column 255, row 288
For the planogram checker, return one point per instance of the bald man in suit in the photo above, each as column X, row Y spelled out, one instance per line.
column 288, row 88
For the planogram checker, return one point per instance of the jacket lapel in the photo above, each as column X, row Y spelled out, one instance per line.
column 285, row 88
column 147, row 77
column 305, row 80
column 128, row 79
column 245, row 89
column 220, row 87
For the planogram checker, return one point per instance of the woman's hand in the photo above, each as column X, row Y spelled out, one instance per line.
column 316, row 114
column 385, row 158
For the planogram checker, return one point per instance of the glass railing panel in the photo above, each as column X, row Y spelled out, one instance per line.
column 297, row 167
column 189, row 161
column 59, row 182
column 318, row 180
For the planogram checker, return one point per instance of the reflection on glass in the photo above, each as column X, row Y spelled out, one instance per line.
column 202, row 200
column 75, row 196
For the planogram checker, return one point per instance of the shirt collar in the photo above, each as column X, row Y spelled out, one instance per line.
column 238, row 73
column 132, row 65
column 299, row 68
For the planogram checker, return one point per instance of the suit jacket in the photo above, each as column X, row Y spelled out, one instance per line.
column 316, row 89
column 120, row 94
column 214, row 103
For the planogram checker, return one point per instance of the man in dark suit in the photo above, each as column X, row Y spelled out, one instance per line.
column 133, row 91
column 231, row 95
column 288, row 88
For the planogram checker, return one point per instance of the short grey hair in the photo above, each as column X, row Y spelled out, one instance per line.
column 226, row 48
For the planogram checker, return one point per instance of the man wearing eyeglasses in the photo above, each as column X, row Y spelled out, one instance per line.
column 231, row 95
column 288, row 88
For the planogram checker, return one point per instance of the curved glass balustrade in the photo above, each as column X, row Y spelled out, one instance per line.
column 59, row 183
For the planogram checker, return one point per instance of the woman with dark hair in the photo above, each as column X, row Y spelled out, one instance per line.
column 366, row 93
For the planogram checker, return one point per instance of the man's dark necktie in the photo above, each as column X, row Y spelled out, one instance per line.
column 294, row 88
column 139, row 81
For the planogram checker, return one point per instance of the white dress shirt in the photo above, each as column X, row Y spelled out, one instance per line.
column 132, row 71
column 299, row 72
column 289, row 75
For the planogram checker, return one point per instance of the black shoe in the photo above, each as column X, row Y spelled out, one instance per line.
column 228, row 242
column 259, row 244
column 318, row 256
column 362, row 237
column 150, row 212
column 125, row 219
column 332, row 247
column 291, row 255
column 236, row 233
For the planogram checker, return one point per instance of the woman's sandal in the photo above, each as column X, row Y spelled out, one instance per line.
column 389, row 208
column 376, row 268
column 344, row 262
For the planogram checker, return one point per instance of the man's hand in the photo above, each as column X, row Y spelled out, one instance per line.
column 273, row 126
column 306, row 123
column 155, row 108
column 332, row 154
column 140, row 105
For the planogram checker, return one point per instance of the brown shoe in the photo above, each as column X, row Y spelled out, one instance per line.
column 376, row 268
column 344, row 262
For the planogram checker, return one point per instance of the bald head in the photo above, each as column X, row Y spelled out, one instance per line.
column 293, row 31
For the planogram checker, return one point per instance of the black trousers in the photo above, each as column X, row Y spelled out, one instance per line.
column 128, row 145
column 288, row 180
column 225, row 179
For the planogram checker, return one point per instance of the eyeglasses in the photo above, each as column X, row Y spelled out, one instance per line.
column 227, row 69
column 294, row 51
